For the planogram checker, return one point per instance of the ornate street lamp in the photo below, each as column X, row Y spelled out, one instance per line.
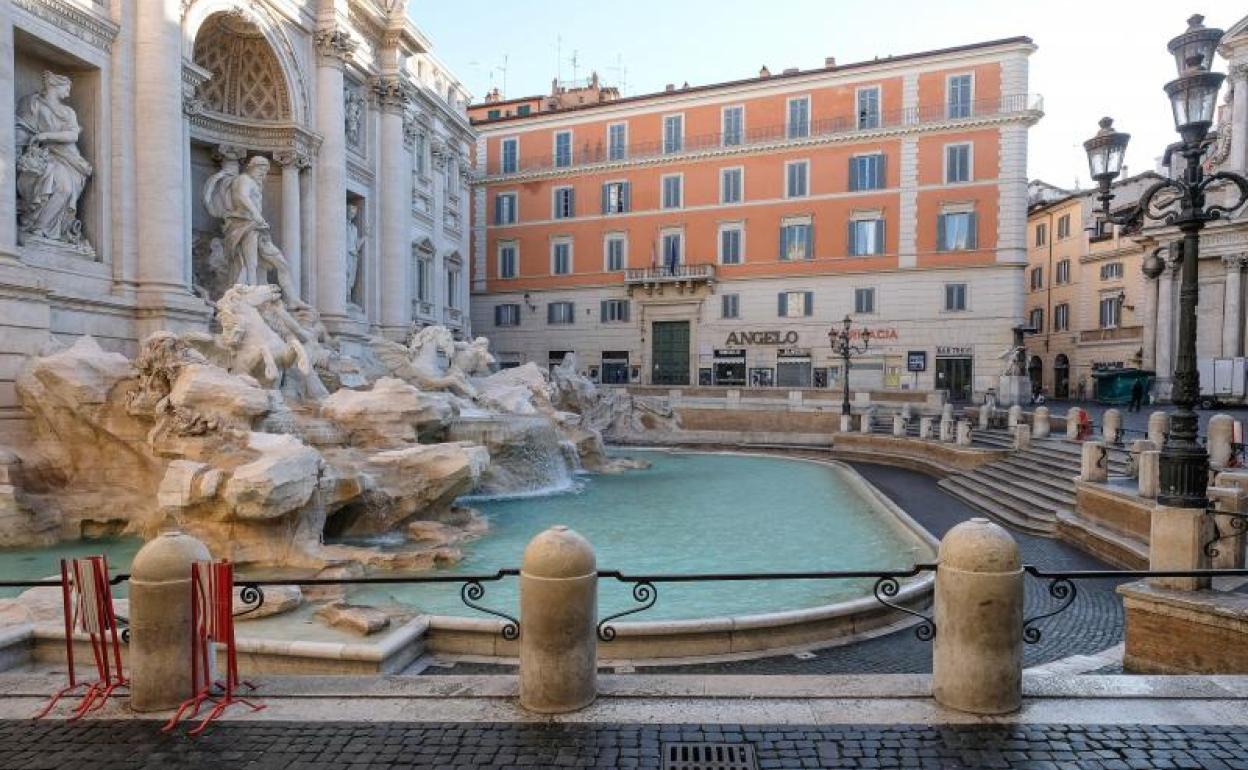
column 843, row 346
column 1193, row 96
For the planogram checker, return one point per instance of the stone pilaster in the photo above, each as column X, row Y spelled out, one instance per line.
column 8, row 180
column 907, row 247
column 1012, row 196
column 395, row 183
column 1232, row 307
column 1238, row 160
column 334, row 47
column 293, row 164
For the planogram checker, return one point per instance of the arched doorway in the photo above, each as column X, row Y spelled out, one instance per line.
column 1061, row 376
column 1035, row 372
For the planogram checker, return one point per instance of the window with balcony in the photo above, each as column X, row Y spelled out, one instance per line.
column 617, row 141
column 955, row 297
column 672, row 197
column 958, row 96
column 614, row 311
column 957, row 231
column 505, row 209
column 730, row 306
column 730, row 244
column 796, row 241
column 563, row 149
column 673, row 134
column 615, row 198
column 866, row 237
column 733, row 129
column 866, row 172
column 799, row 117
column 795, row 176
column 864, row 301
column 565, row 203
column 560, row 312
column 673, row 248
column 507, row 262
column 506, row 315
column 730, row 185
column 615, row 248
column 957, row 163
column 796, row 304
column 510, row 163
column 869, row 107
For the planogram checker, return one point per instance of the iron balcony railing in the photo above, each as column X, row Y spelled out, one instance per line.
column 588, row 154
column 670, row 273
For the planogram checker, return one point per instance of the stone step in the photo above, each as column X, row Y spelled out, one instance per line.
column 1024, row 498
column 1050, row 494
column 1033, row 521
column 1067, row 464
column 1022, row 469
column 1121, row 550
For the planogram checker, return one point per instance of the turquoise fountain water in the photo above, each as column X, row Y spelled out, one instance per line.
column 687, row 513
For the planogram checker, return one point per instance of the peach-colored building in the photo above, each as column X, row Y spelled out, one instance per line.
column 712, row 234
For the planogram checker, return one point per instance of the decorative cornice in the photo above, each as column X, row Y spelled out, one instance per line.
column 82, row 24
column 1026, row 117
column 193, row 78
column 261, row 137
column 335, row 45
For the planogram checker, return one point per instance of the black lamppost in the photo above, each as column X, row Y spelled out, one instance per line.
column 1193, row 97
column 843, row 346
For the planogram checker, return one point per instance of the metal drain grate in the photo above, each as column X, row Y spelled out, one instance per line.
column 708, row 756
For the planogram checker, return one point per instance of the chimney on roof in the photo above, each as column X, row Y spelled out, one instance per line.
column 670, row 87
column 764, row 72
column 685, row 85
column 829, row 62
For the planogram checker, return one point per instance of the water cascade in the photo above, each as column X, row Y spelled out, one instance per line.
column 528, row 456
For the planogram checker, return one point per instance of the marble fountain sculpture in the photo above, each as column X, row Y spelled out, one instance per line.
column 265, row 441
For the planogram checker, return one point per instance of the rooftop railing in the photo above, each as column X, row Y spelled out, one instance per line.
column 587, row 154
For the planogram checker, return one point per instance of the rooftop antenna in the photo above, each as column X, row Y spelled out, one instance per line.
column 575, row 61
column 621, row 74
column 559, row 58
column 502, row 69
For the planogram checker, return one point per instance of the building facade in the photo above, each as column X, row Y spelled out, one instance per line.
column 713, row 234
column 1086, row 295
column 124, row 124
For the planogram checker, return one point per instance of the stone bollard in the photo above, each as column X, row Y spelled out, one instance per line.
column 925, row 427
column 1022, row 436
column 946, row 430
column 160, row 621
column 1233, row 500
column 1149, row 473
column 964, row 433
column 1138, row 447
column 1073, row 416
column 907, row 412
column 977, row 655
column 899, row 425
column 1014, row 416
column 1111, row 426
column 864, row 422
column 1040, row 422
column 1094, row 462
column 1220, row 433
column 946, row 412
column 847, row 423
column 1176, row 541
column 558, row 612
column 1158, row 427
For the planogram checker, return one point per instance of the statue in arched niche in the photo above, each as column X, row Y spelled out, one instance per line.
column 355, row 250
column 51, row 172
column 237, row 199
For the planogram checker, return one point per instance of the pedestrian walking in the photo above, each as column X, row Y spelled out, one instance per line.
column 1137, row 395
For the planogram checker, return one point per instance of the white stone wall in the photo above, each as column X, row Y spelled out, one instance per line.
column 910, row 302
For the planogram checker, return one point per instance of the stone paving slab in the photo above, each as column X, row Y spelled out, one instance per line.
column 298, row 746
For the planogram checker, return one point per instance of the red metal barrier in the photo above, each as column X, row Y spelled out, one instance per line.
column 212, row 624
column 87, row 598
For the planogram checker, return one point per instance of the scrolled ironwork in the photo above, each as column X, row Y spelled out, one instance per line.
column 1238, row 524
column 888, row 586
column 644, row 593
column 1064, row 591
column 251, row 596
column 1218, row 211
column 472, row 591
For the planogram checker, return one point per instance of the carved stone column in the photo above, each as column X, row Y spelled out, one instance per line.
column 334, row 48
column 1232, row 307
column 8, row 179
column 1238, row 160
column 395, row 186
column 1165, row 331
column 292, row 164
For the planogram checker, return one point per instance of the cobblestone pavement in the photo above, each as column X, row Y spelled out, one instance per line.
column 1093, row 623
column 296, row 746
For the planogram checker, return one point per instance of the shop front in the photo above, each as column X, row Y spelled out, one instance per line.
column 955, row 371
column 793, row 368
column 615, row 367
column 729, row 367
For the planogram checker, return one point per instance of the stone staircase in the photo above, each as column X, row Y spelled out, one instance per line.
column 1027, row 489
